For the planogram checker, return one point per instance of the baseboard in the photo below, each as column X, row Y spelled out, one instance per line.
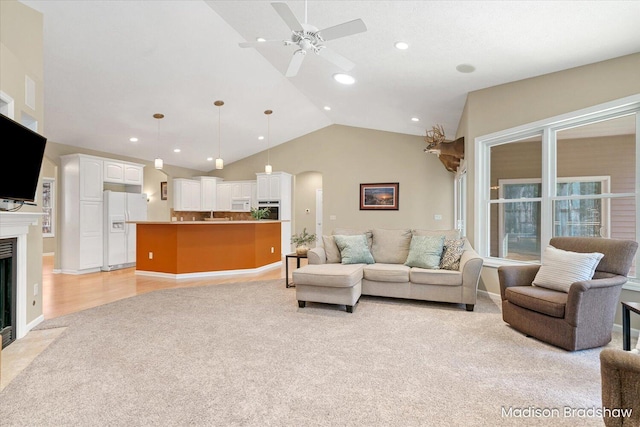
column 35, row 322
column 217, row 274
column 494, row 297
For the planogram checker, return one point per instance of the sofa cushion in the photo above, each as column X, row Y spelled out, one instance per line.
column 424, row 276
column 354, row 249
column 331, row 275
column 381, row 272
column 453, row 249
column 561, row 268
column 390, row 246
column 448, row 234
column 425, row 252
column 542, row 300
column 331, row 249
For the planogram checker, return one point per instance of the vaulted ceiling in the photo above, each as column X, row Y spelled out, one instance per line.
column 109, row 66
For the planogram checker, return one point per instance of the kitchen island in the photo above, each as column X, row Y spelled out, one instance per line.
column 192, row 249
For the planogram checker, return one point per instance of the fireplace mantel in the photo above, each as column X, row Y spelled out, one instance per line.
column 16, row 224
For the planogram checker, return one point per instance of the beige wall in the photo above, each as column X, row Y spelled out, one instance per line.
column 526, row 101
column 21, row 47
column 347, row 156
column 304, row 201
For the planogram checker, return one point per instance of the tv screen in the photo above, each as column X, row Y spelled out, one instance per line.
column 22, row 153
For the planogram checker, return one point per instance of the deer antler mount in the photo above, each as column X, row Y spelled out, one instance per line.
column 450, row 153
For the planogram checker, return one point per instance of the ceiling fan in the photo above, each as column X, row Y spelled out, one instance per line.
column 309, row 39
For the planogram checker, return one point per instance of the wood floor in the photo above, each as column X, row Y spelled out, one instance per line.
column 65, row 293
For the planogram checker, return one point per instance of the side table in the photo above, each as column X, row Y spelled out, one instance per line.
column 627, row 307
column 286, row 268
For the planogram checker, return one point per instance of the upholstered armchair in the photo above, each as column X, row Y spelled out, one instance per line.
column 620, row 371
column 580, row 318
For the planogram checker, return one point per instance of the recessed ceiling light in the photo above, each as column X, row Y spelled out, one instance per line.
column 415, row 119
column 466, row 68
column 261, row 137
column 176, row 150
column 345, row 79
column 327, row 108
column 261, row 39
column 133, row 139
column 401, row 45
column 209, row 159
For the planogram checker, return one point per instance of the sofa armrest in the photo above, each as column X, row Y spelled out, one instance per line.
column 317, row 255
column 516, row 275
column 470, row 267
column 594, row 299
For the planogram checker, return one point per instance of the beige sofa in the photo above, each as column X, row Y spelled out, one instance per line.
column 326, row 279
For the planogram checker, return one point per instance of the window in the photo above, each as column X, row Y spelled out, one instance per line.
column 572, row 175
column 48, row 203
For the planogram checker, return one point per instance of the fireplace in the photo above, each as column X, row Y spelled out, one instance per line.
column 8, row 290
column 14, row 226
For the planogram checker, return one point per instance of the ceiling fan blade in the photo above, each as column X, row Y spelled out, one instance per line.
column 295, row 63
column 266, row 42
column 287, row 16
column 342, row 30
column 336, row 58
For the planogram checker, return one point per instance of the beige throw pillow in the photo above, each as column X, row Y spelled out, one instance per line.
column 390, row 246
column 331, row 249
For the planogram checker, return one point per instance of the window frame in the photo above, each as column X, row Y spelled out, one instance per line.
column 548, row 129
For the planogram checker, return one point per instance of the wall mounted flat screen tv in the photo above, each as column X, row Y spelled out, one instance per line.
column 22, row 153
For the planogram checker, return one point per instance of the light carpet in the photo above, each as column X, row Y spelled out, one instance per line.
column 244, row 354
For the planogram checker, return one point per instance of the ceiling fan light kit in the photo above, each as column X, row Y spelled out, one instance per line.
column 309, row 39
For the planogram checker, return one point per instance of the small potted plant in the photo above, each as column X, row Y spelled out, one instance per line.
column 259, row 213
column 302, row 241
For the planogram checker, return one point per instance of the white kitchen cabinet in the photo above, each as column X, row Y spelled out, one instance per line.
column 118, row 172
column 186, row 194
column 273, row 186
column 240, row 189
column 88, row 176
column 208, row 192
column 81, row 232
column 224, row 197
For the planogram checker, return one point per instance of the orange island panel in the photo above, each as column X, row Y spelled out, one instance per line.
column 200, row 247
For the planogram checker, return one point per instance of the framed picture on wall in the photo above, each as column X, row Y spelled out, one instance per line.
column 379, row 197
column 163, row 190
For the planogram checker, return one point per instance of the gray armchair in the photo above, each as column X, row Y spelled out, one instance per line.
column 583, row 317
column 620, row 371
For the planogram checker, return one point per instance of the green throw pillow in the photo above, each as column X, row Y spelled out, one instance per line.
column 425, row 252
column 354, row 249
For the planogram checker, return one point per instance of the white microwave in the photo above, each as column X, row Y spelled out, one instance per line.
column 240, row 205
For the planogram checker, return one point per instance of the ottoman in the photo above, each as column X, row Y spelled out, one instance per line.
column 329, row 283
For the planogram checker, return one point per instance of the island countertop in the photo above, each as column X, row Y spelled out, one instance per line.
column 209, row 222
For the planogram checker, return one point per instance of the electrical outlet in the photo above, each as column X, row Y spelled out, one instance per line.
column 332, row 217
column 36, row 289
column 437, row 217
column 150, row 255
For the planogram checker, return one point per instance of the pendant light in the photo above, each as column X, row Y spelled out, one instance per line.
column 158, row 163
column 268, row 169
column 219, row 161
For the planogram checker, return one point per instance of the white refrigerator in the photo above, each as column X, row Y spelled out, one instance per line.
column 119, row 235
